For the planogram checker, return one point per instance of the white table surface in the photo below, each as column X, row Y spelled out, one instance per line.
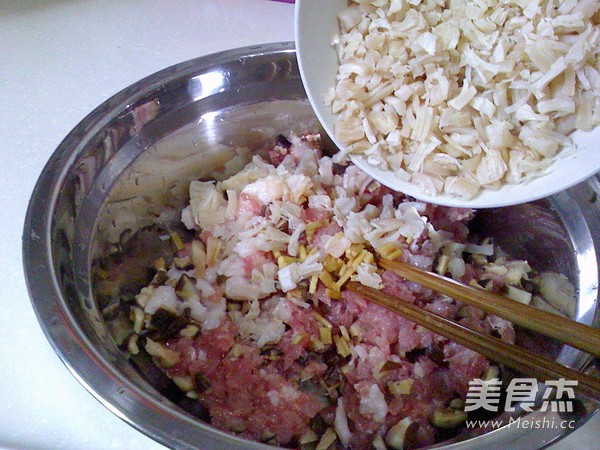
column 59, row 60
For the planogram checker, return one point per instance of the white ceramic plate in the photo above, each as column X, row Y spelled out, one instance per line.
column 315, row 26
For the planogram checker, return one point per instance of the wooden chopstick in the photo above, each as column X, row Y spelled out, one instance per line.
column 567, row 331
column 518, row 359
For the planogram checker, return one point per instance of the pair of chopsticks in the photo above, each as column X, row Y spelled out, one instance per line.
column 523, row 361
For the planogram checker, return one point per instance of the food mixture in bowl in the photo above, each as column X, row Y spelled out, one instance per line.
column 460, row 96
column 252, row 321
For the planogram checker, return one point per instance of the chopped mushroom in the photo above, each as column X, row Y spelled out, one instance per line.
column 328, row 438
column 401, row 435
column 448, row 418
column 136, row 314
column 186, row 289
column 308, row 437
column 401, row 387
column 198, row 257
column 378, row 443
column 190, row 330
column 457, row 403
column 185, row 383
column 132, row 346
column 163, row 356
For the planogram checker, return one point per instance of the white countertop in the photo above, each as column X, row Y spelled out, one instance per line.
column 59, row 60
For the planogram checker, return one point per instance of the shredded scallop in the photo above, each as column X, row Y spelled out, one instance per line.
column 497, row 89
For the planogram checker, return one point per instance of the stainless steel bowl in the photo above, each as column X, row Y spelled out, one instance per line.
column 135, row 154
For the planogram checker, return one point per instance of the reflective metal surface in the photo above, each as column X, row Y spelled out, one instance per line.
column 128, row 164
